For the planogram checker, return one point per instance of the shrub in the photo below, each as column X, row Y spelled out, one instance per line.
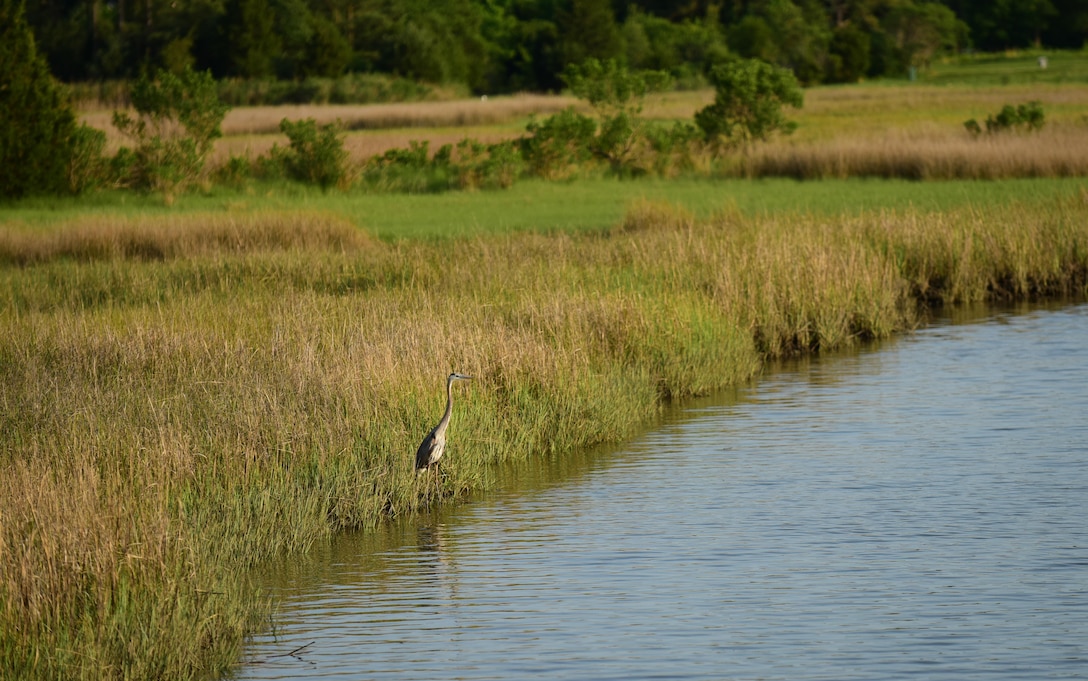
column 748, row 101
column 616, row 95
column 316, row 155
column 88, row 167
column 410, row 170
column 177, row 123
column 558, row 145
column 483, row 166
column 1027, row 117
column 671, row 147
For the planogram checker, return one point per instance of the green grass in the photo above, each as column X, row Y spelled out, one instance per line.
column 539, row 206
column 1013, row 67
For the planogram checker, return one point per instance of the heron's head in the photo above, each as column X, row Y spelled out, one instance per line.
column 459, row 377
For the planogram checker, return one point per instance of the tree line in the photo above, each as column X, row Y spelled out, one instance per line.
column 494, row 46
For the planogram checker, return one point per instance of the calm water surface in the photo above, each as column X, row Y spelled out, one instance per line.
column 915, row 509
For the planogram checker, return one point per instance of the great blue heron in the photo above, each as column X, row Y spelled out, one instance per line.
column 430, row 450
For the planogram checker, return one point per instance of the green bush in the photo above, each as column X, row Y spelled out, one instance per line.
column 748, row 100
column 410, row 170
column 316, row 155
column 616, row 95
column 559, row 145
column 671, row 147
column 178, row 119
column 38, row 133
column 482, row 166
column 1027, row 117
column 88, row 167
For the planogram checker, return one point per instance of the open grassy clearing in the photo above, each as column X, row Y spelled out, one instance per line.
column 539, row 206
column 186, row 396
column 1014, row 66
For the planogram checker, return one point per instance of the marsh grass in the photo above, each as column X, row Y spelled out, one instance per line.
column 172, row 236
column 1055, row 151
column 170, row 422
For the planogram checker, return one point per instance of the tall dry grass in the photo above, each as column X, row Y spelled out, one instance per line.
column 879, row 130
column 168, row 237
column 1056, row 151
column 248, row 125
column 170, row 422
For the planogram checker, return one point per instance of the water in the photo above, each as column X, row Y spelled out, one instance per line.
column 916, row 509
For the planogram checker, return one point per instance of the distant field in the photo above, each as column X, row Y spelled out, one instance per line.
column 1014, row 66
column 545, row 207
column 934, row 107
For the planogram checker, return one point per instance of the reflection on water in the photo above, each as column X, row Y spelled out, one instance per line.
column 915, row 509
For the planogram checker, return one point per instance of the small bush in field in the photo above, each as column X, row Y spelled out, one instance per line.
column 410, row 170
column 483, row 166
column 88, row 167
column 316, row 154
column 671, row 147
column 748, row 100
column 616, row 95
column 1027, row 117
column 559, row 144
column 178, row 119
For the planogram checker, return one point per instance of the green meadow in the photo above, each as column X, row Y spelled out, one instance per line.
column 592, row 204
column 189, row 390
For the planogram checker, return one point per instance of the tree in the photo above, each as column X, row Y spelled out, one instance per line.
column 1003, row 24
column 37, row 137
column 589, row 31
column 753, row 38
column 250, row 28
column 848, row 60
column 921, row 30
column 683, row 49
column 748, row 100
column 328, row 52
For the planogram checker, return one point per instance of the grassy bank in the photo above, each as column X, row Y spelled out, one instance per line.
column 183, row 397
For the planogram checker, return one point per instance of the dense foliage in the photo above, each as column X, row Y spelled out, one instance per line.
column 509, row 45
column 42, row 150
column 177, row 121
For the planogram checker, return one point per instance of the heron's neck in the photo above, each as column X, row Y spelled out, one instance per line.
column 449, row 405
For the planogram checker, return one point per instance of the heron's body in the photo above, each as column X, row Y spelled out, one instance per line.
column 434, row 445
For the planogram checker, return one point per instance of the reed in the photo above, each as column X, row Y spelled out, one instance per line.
column 945, row 155
column 170, row 422
column 172, row 236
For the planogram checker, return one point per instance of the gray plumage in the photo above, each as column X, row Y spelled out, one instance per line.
column 432, row 447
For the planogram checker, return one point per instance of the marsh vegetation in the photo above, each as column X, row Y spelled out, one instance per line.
column 185, row 397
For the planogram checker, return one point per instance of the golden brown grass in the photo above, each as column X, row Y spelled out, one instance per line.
column 170, row 422
column 1056, row 151
column 256, row 128
column 175, row 236
column 913, row 131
